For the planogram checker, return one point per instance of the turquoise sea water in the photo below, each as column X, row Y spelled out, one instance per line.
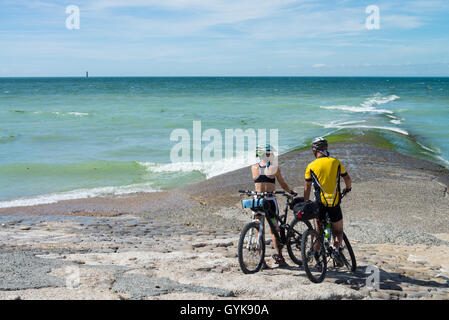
column 65, row 138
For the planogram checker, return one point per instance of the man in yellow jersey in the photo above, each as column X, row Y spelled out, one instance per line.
column 325, row 172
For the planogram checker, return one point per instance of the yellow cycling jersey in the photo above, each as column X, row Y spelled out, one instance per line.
column 325, row 173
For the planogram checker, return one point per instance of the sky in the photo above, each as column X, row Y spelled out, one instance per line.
column 224, row 38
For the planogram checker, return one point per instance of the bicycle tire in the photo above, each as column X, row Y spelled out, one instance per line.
column 241, row 250
column 308, row 256
column 347, row 247
column 294, row 240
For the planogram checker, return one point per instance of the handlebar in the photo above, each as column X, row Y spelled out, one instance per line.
column 263, row 194
column 345, row 192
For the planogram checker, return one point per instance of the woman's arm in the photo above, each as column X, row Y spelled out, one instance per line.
column 282, row 182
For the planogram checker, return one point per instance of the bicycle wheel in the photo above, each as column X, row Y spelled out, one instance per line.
column 313, row 256
column 250, row 252
column 346, row 250
column 294, row 239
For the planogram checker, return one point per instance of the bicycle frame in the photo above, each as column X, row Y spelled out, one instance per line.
column 322, row 225
column 280, row 236
column 326, row 241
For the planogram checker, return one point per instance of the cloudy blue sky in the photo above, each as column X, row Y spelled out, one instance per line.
column 224, row 37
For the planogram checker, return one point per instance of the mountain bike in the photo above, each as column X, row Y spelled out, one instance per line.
column 251, row 246
column 317, row 250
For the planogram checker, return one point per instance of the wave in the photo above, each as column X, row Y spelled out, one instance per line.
column 428, row 148
column 57, row 113
column 208, row 168
column 443, row 160
column 78, row 194
column 337, row 124
column 78, row 114
column 367, row 106
column 355, row 109
column 393, row 129
column 378, row 99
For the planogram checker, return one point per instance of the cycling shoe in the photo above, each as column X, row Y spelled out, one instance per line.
column 279, row 260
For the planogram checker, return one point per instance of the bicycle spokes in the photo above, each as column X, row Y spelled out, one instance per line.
column 314, row 256
column 250, row 239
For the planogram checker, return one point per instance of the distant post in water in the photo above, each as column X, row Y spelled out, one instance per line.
column 87, row 74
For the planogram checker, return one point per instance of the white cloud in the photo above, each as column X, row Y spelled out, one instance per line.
column 401, row 21
column 245, row 34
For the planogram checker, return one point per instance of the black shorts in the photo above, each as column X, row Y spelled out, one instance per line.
column 273, row 207
column 335, row 213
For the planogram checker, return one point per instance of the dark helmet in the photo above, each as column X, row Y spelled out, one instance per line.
column 319, row 144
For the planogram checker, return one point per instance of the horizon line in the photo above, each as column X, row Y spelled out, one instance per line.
column 233, row 76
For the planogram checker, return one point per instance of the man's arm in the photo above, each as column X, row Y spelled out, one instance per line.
column 346, row 177
column 307, row 189
column 348, row 181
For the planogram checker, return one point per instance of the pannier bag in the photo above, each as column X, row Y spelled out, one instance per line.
column 295, row 202
column 254, row 204
column 306, row 210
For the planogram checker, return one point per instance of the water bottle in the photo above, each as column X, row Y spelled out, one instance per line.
column 327, row 231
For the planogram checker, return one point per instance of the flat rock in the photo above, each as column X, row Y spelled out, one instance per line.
column 142, row 287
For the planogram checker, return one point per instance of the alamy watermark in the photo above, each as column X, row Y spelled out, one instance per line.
column 211, row 146
column 72, row 277
column 373, row 20
column 373, row 280
column 73, row 20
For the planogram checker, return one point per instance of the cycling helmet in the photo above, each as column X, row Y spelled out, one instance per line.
column 264, row 150
column 319, row 144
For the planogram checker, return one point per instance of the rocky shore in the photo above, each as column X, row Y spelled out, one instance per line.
column 182, row 244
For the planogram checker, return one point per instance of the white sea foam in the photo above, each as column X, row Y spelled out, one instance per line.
column 393, row 129
column 428, row 148
column 356, row 109
column 208, row 168
column 337, row 124
column 78, row 114
column 378, row 99
column 369, row 105
column 77, row 194
column 443, row 160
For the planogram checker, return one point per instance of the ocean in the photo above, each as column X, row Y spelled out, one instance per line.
column 71, row 138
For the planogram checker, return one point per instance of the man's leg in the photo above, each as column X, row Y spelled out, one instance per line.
column 321, row 215
column 337, row 229
column 317, row 229
column 337, row 225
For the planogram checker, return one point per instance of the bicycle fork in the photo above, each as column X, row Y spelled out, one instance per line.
column 261, row 231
